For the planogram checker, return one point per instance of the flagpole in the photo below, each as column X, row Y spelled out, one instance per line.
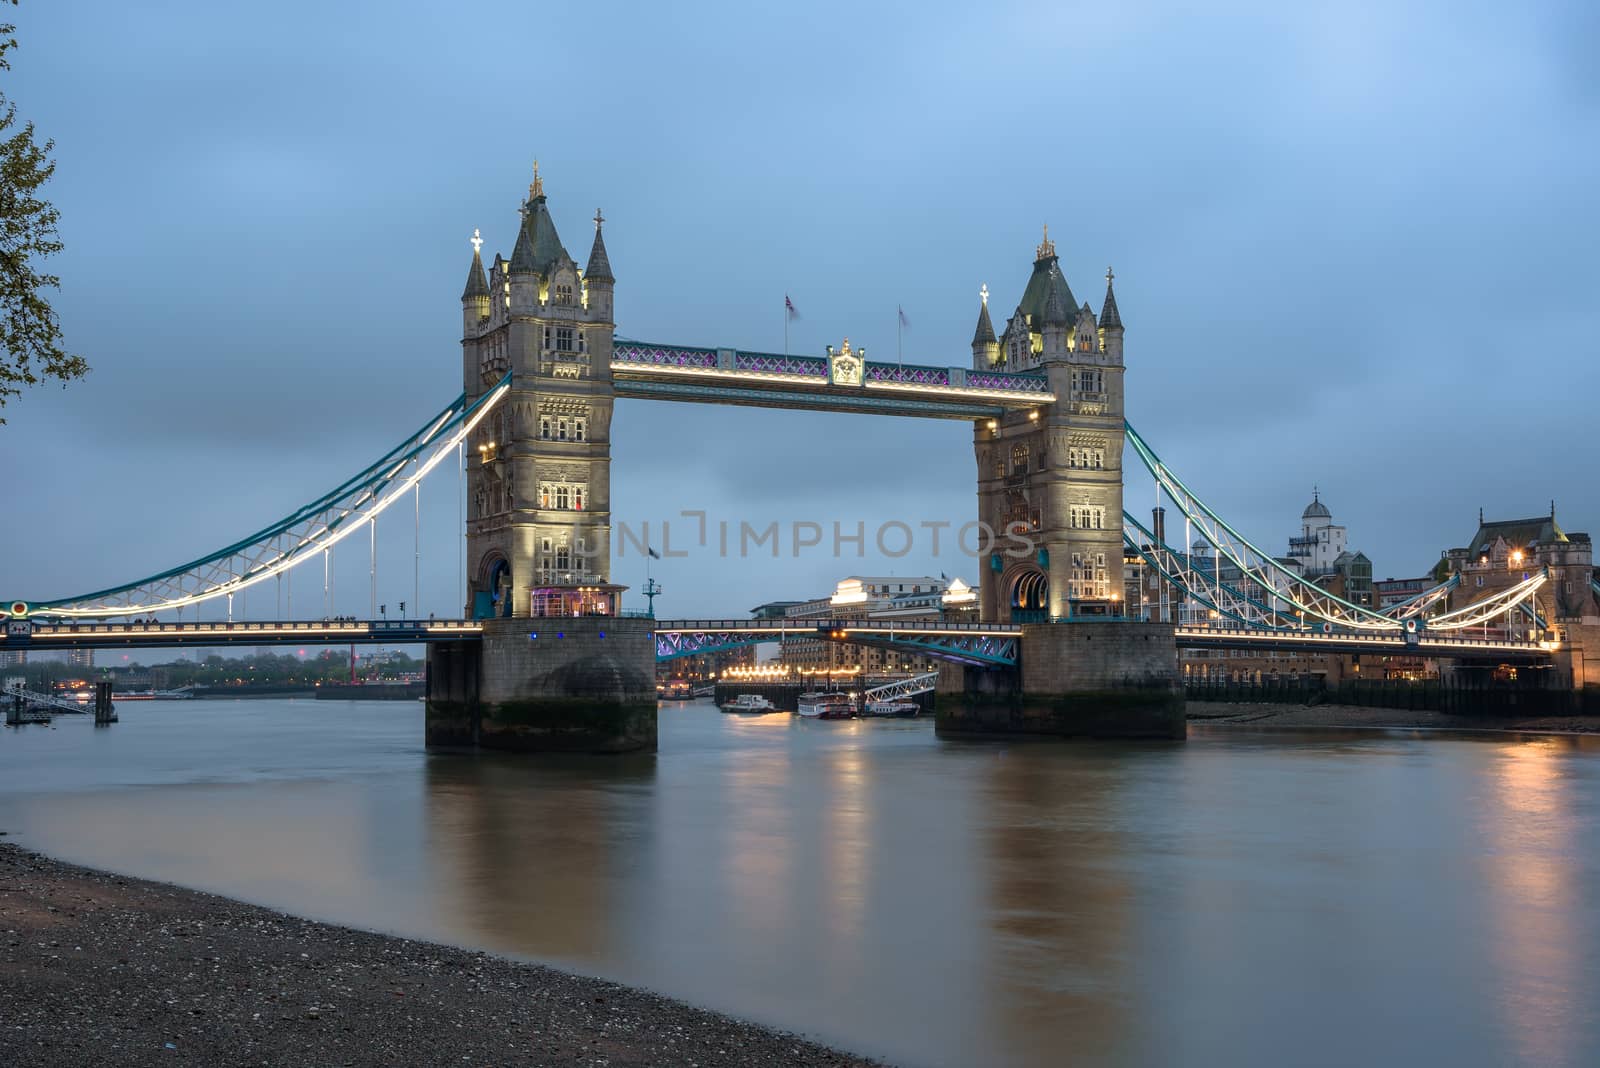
column 899, row 323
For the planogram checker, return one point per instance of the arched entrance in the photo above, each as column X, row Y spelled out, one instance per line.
column 491, row 594
column 1030, row 596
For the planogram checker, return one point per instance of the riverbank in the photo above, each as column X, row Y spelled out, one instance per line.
column 99, row 968
column 1287, row 715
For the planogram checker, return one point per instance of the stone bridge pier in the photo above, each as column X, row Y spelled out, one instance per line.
column 1103, row 679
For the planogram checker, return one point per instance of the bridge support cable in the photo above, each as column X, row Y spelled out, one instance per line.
column 315, row 527
column 1419, row 604
column 1480, row 612
column 1279, row 582
column 1306, row 598
column 1211, row 593
column 894, row 691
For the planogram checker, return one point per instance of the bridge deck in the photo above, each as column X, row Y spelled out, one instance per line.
column 762, row 379
column 990, row 643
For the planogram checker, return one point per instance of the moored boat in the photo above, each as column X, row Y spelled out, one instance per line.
column 833, row 705
column 750, row 703
column 899, row 709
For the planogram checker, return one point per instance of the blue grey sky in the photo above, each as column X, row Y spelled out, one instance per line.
column 1355, row 247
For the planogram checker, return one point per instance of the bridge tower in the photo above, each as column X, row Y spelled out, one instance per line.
column 556, row 668
column 1053, row 474
column 539, row 469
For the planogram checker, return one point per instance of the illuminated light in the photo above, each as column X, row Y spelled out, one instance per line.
column 561, row 634
column 993, row 424
column 1034, row 414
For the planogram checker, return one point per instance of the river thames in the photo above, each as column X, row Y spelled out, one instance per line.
column 1247, row 897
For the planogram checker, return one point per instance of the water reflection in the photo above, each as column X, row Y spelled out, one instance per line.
column 530, row 852
column 1058, row 908
column 1397, row 898
column 1536, row 917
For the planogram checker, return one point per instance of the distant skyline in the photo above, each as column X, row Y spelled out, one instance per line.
column 1354, row 248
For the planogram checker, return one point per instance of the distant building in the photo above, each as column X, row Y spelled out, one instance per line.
column 875, row 597
column 83, row 658
column 1389, row 592
column 1505, row 552
column 1320, row 540
column 13, row 657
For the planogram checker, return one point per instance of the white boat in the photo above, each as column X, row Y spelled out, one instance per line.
column 750, row 702
column 831, row 705
column 900, row 709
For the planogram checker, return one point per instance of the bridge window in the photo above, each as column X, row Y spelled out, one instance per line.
column 563, row 497
column 579, row 426
column 563, row 294
column 1087, row 381
column 561, row 429
column 544, row 427
column 1019, row 459
column 564, row 339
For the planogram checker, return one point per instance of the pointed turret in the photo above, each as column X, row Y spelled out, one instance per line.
column 538, row 247
column 985, row 347
column 475, row 297
column 477, row 281
column 1109, row 315
column 984, row 334
column 599, row 269
column 1111, row 322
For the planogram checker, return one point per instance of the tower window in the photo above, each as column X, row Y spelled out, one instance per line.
column 579, row 428
column 561, row 429
column 564, row 339
column 544, row 427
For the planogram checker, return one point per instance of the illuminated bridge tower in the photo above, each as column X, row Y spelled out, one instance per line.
column 1053, row 474
column 556, row 667
column 538, row 481
column 1050, row 486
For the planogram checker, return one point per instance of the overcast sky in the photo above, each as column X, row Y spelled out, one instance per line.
column 1354, row 249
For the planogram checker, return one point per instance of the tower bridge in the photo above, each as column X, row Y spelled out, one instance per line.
column 544, row 656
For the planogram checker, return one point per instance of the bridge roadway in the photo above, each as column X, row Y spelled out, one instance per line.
column 989, row 644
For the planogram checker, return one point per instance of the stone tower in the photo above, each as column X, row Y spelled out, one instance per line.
column 1053, row 475
column 539, row 468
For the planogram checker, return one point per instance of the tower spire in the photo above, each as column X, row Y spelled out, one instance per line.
column 477, row 284
column 599, row 269
column 1047, row 247
column 984, row 334
column 536, row 187
column 1109, row 315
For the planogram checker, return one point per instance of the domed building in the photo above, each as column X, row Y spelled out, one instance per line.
column 1321, row 541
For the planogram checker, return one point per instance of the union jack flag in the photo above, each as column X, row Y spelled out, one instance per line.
column 794, row 313
column 903, row 320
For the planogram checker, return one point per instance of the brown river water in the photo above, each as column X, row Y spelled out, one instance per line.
column 1245, row 898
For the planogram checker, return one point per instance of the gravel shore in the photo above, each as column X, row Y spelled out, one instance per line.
column 96, row 968
column 1284, row 715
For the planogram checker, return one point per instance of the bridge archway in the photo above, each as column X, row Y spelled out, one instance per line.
column 491, row 593
column 1029, row 598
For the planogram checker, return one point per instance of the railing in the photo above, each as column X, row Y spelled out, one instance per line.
column 1009, row 382
column 771, row 363
column 664, row 355
column 913, row 376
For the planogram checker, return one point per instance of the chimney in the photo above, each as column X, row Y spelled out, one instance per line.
column 1159, row 524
